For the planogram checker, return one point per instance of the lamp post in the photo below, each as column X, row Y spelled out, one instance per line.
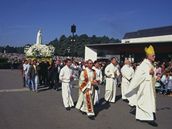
column 73, row 30
column 70, row 49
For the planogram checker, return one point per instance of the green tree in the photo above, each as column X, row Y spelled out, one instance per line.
column 74, row 46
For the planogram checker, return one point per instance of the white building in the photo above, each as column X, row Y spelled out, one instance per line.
column 133, row 43
column 161, row 34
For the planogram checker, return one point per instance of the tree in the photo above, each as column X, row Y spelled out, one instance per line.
column 65, row 46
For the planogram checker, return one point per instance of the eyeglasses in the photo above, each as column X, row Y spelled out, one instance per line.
column 90, row 63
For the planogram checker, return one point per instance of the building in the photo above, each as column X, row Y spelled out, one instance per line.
column 133, row 43
column 161, row 34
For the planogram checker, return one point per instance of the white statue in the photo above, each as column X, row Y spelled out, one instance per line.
column 39, row 49
column 39, row 38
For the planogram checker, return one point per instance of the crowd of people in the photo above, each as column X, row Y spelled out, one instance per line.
column 41, row 73
column 138, row 82
column 164, row 80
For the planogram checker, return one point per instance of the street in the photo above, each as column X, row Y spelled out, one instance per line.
column 22, row 109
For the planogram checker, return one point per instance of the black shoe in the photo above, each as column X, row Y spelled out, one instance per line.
column 152, row 123
column 107, row 102
column 133, row 110
column 125, row 100
column 72, row 107
column 68, row 108
column 83, row 113
column 91, row 117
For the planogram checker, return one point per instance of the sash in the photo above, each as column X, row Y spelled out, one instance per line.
column 87, row 94
column 85, row 82
column 89, row 103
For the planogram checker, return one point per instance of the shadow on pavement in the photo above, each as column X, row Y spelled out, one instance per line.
column 102, row 105
column 45, row 88
column 164, row 108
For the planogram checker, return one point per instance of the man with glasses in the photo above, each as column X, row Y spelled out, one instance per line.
column 87, row 84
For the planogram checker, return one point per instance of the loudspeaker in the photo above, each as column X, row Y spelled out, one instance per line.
column 73, row 28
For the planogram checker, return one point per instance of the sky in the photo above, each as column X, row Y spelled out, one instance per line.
column 20, row 20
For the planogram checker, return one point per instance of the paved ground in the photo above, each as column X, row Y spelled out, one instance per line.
column 22, row 109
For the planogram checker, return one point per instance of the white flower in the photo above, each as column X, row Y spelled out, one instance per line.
column 38, row 50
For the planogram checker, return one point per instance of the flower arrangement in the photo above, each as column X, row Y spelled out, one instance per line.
column 39, row 50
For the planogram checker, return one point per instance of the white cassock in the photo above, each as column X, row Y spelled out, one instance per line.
column 127, row 73
column 65, row 76
column 99, row 79
column 111, row 73
column 143, row 85
column 86, row 94
column 169, row 86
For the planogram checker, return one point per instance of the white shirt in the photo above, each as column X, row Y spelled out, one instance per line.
column 111, row 71
column 65, row 74
column 98, row 74
column 170, row 83
column 26, row 68
column 127, row 72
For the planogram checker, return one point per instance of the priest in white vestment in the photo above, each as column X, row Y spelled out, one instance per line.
column 66, row 77
column 87, row 85
column 111, row 73
column 144, row 83
column 98, row 71
column 127, row 73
